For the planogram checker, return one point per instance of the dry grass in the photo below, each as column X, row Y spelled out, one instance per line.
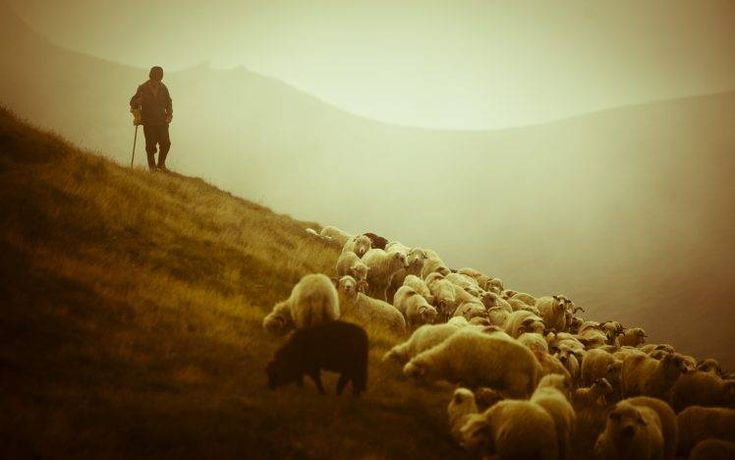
column 132, row 305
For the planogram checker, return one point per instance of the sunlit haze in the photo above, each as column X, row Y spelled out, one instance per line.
column 460, row 64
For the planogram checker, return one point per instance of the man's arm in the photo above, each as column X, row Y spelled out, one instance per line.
column 135, row 101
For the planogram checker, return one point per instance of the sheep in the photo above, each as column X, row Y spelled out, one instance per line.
column 556, row 404
column 366, row 310
column 552, row 309
column 667, row 417
column 598, row 363
column 460, row 407
column 508, row 293
column 594, row 395
column 701, row 388
column 643, row 375
column 339, row 236
column 313, row 301
column 494, row 285
column 480, row 278
column 349, row 264
column 511, row 430
column 359, row 244
column 534, row 342
column 471, row 310
column 698, row 423
column 563, row 339
column 433, row 277
column 570, row 358
column 713, row 449
column 463, row 281
column 376, row 241
column 551, row 365
column 279, row 320
column 334, row 346
column 383, row 265
column 516, row 304
column 523, row 321
column 591, row 335
column 612, row 329
column 415, row 258
column 418, row 285
column 651, row 347
column 414, row 307
column 528, row 299
column 560, row 381
column 434, row 264
column 497, row 316
column 477, row 359
column 492, row 300
column 486, row 397
column 444, row 297
column 632, row 432
column 634, row 337
column 422, row 339
column 710, row 365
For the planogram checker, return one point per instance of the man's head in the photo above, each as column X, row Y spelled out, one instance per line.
column 156, row 73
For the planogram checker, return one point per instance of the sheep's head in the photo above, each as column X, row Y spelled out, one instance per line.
column 477, row 433
column 675, row 365
column 362, row 244
column 348, row 287
column 280, row 373
column 624, row 422
column 614, row 371
column 709, row 365
column 359, row 270
column 489, row 299
column 428, row 314
column 462, row 402
column 532, row 324
column 508, row 293
column 602, row 386
column 416, row 369
column 638, row 335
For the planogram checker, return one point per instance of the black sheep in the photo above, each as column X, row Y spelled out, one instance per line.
column 334, row 346
column 376, row 241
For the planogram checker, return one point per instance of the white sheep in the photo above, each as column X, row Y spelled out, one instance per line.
column 434, row 264
column 349, row 263
column 414, row 307
column 383, row 265
column 595, row 395
column 463, row 281
column 313, row 301
column 667, row 417
column 557, row 405
column 480, row 278
column 445, row 301
column 698, row 423
column 359, row 244
column 528, row 299
column 492, row 300
column 339, row 236
column 702, row 388
column 498, row 316
column 471, row 310
column 279, row 320
column 523, row 321
column 534, row 341
column 713, row 449
column 510, row 430
column 632, row 337
column 476, row 359
column 367, row 311
column 643, row 375
column 598, row 363
column 494, row 284
column 553, row 311
column 422, row 339
column 418, row 285
column 415, row 258
column 460, row 407
column 632, row 432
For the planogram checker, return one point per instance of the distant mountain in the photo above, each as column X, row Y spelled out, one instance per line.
column 629, row 211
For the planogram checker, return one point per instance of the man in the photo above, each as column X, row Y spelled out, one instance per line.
column 151, row 107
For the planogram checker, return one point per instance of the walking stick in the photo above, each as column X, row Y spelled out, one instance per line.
column 135, row 138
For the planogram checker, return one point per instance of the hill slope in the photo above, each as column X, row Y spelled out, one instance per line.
column 628, row 211
column 132, row 322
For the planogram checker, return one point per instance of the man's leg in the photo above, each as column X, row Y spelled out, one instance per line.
column 150, row 145
column 164, row 144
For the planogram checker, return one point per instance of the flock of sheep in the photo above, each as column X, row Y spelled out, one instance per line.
column 534, row 379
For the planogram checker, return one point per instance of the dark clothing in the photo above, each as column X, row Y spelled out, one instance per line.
column 156, row 134
column 155, row 102
column 156, row 110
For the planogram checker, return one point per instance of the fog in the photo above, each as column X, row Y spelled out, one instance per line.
column 629, row 211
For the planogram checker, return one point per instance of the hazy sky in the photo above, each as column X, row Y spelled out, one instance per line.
column 456, row 64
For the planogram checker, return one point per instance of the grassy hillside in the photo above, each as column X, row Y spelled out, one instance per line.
column 132, row 322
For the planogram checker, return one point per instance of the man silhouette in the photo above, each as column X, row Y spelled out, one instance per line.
column 151, row 107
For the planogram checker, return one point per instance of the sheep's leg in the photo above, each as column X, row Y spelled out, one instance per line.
column 341, row 383
column 316, row 377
